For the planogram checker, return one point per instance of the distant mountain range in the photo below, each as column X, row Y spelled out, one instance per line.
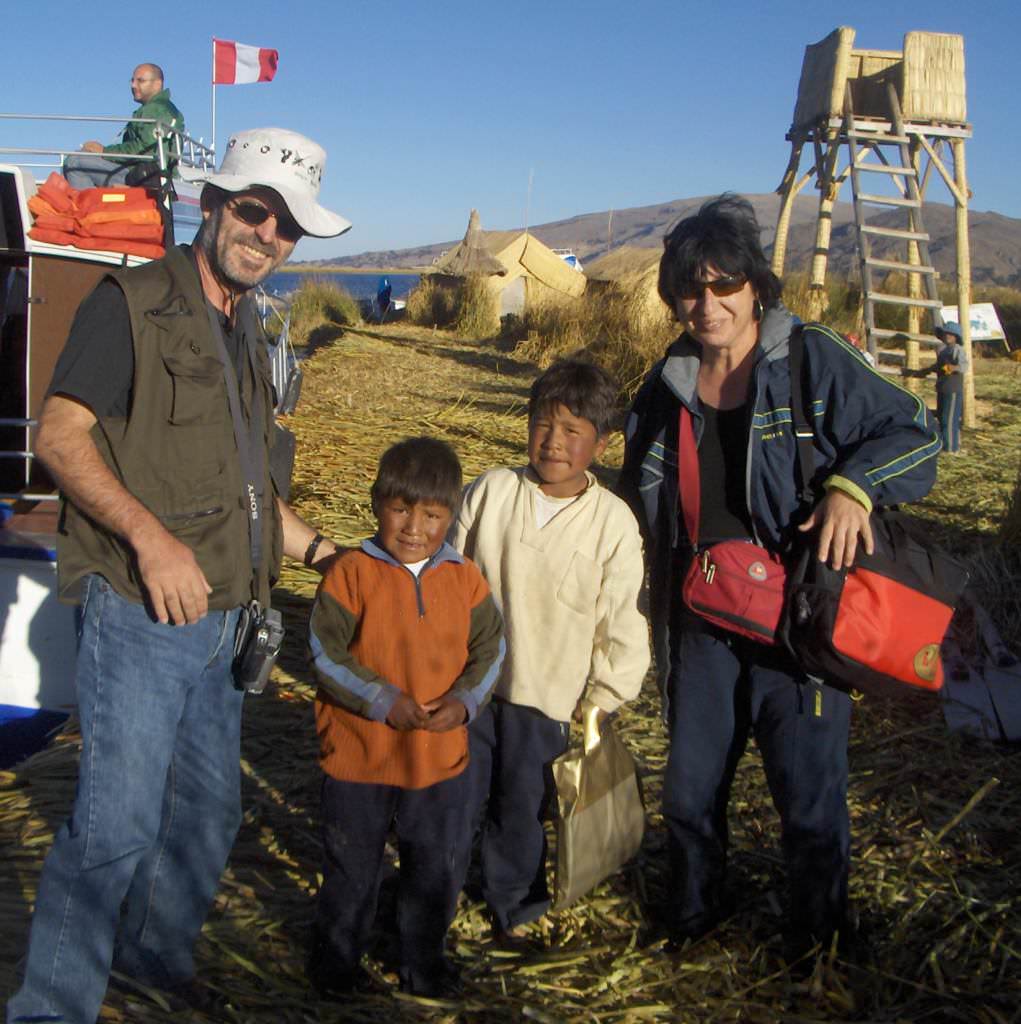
column 995, row 239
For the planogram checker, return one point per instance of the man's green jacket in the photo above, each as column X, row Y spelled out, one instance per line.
column 141, row 138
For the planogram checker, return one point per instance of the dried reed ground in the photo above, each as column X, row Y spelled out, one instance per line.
column 936, row 878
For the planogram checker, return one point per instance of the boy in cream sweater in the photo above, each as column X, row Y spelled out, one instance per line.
column 563, row 557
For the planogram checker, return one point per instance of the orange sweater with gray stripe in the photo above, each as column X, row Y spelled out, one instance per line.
column 377, row 630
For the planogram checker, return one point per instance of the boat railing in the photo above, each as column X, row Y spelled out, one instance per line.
column 172, row 146
column 23, row 494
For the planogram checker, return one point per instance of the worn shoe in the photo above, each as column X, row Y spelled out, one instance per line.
column 441, row 980
column 514, row 940
column 849, row 943
column 328, row 975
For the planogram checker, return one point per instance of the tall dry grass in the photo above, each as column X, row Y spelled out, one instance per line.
column 478, row 312
column 618, row 326
column 843, row 303
column 467, row 306
column 320, row 305
column 433, row 302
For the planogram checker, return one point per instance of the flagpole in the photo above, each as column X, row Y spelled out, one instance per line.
column 212, row 89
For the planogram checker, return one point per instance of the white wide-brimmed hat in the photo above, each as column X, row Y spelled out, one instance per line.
column 290, row 164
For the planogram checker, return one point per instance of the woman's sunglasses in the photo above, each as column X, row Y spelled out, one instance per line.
column 253, row 214
column 721, row 287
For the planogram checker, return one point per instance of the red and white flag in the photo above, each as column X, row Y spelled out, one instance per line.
column 238, row 64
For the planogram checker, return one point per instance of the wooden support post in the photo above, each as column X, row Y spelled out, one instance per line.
column 817, row 281
column 911, row 347
column 828, row 187
column 789, row 189
column 964, row 276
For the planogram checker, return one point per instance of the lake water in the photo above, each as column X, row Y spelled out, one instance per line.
column 358, row 286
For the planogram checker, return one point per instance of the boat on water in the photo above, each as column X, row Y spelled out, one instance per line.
column 569, row 257
column 41, row 285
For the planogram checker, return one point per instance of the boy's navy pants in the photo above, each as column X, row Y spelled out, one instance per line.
column 433, row 841
column 511, row 748
column 721, row 689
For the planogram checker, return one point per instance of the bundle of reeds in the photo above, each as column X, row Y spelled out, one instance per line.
column 320, row 306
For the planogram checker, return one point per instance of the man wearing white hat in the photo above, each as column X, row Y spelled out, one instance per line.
column 158, row 426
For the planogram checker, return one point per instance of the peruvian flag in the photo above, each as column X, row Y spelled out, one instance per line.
column 238, row 64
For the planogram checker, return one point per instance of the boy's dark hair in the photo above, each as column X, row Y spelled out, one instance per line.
column 419, row 469
column 583, row 387
column 723, row 234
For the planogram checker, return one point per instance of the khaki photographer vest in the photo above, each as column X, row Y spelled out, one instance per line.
column 176, row 451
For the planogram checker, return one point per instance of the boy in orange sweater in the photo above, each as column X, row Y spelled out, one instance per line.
column 407, row 645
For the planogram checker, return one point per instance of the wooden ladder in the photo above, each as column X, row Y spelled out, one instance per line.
column 865, row 142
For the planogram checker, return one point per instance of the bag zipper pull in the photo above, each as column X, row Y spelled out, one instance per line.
column 708, row 568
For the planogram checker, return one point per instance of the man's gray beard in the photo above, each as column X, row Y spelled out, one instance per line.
column 206, row 240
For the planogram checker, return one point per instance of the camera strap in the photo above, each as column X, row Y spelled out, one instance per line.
column 247, row 439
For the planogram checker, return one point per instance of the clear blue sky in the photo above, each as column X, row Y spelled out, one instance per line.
column 428, row 109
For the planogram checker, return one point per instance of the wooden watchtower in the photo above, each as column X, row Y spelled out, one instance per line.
column 889, row 121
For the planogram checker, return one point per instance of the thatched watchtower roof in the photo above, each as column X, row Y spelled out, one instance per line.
column 470, row 256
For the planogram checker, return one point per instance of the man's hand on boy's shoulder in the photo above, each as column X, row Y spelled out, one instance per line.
column 406, row 714
column 446, row 713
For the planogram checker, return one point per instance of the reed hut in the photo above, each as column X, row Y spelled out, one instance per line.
column 518, row 268
column 631, row 273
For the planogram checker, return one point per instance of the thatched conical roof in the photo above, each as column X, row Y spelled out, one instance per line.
column 470, row 256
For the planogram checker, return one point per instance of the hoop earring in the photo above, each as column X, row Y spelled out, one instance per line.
column 757, row 311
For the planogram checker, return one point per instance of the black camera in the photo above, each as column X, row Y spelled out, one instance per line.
column 260, row 634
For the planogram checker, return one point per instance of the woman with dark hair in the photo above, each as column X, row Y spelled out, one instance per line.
column 873, row 445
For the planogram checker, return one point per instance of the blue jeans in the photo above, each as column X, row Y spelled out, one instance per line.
column 155, row 814
column 721, row 689
column 92, row 170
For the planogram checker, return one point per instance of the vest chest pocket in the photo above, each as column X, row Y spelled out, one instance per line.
column 197, row 389
column 579, row 586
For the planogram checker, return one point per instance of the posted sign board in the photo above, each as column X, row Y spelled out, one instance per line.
column 985, row 324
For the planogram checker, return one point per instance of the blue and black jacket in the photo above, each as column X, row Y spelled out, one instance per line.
column 872, row 439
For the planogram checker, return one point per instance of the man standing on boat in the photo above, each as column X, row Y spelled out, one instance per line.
column 88, row 169
column 158, row 427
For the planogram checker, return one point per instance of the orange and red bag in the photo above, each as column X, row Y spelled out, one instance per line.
column 878, row 626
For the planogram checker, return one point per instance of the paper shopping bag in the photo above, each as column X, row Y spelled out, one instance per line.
column 601, row 818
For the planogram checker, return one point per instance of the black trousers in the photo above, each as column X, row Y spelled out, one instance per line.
column 720, row 689
column 433, row 841
column 511, row 748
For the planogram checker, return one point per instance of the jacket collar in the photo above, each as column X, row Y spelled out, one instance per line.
column 680, row 368
column 163, row 96
column 184, row 290
column 446, row 553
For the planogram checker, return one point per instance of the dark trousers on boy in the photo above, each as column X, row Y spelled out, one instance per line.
column 720, row 690
column 511, row 749
column 432, row 826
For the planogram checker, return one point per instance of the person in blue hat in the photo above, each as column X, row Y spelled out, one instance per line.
column 950, row 367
